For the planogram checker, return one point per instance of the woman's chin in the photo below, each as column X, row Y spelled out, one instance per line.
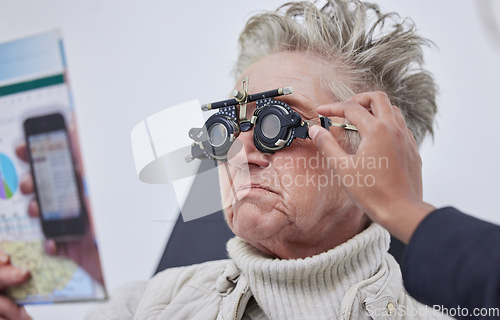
column 253, row 224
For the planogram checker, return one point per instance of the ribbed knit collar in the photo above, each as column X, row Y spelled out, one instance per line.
column 310, row 288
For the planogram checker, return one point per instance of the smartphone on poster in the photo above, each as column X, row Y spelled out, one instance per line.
column 63, row 213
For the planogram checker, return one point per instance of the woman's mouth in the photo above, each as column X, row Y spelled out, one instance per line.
column 248, row 189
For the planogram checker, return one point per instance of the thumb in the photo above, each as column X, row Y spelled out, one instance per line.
column 325, row 142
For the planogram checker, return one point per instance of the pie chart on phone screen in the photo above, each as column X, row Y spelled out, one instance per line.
column 8, row 177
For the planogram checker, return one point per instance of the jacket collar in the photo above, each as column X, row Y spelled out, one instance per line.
column 376, row 291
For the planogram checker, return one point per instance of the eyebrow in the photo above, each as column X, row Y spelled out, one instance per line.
column 298, row 107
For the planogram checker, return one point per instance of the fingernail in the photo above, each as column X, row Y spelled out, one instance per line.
column 19, row 273
column 313, row 131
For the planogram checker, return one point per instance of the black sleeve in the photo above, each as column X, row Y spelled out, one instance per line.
column 453, row 260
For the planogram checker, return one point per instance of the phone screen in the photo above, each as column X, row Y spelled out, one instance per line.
column 55, row 176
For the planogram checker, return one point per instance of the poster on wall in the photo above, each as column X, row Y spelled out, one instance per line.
column 45, row 213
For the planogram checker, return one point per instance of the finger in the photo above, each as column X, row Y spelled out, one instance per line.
column 12, row 276
column 33, row 208
column 325, row 142
column 379, row 103
column 8, row 312
column 4, row 258
column 23, row 314
column 403, row 126
column 413, row 140
column 362, row 119
column 26, row 184
column 9, row 309
column 50, row 247
column 353, row 112
column 336, row 109
column 22, row 152
column 399, row 118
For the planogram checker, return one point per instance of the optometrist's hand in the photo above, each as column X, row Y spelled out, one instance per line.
column 390, row 192
column 11, row 276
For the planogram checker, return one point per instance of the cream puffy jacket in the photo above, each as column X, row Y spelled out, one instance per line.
column 332, row 285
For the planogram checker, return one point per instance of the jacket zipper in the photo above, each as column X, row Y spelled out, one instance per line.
column 239, row 303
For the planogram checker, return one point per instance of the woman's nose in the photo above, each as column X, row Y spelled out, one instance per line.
column 243, row 152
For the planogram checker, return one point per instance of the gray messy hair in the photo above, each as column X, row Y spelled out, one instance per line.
column 370, row 50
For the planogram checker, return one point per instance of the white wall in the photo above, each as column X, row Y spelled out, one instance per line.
column 129, row 59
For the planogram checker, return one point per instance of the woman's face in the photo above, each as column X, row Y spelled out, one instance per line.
column 288, row 204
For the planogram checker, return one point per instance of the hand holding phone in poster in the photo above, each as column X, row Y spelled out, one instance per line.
column 65, row 222
column 59, row 195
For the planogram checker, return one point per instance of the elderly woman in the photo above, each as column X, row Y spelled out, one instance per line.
column 303, row 250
